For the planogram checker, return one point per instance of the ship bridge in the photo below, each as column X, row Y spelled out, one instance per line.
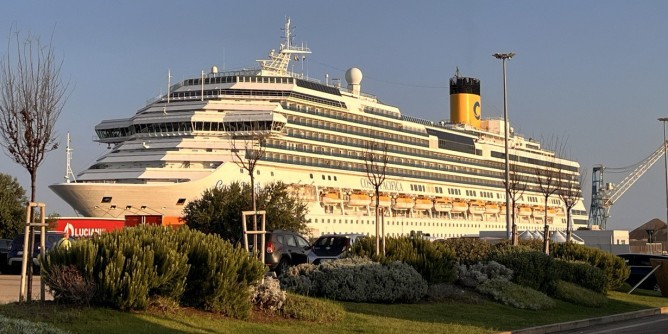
column 237, row 121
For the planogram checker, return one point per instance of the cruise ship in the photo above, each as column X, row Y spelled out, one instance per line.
column 442, row 178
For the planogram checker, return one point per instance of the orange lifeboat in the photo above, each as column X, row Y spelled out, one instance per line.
column 524, row 211
column 331, row 197
column 477, row 207
column 384, row 201
column 423, row 204
column 502, row 209
column 551, row 212
column 492, row 208
column 538, row 211
column 403, row 203
column 443, row 204
column 459, row 205
column 359, row 199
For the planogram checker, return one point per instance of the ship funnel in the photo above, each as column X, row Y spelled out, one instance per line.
column 465, row 105
column 354, row 79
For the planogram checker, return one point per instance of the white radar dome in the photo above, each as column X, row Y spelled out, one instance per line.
column 214, row 69
column 354, row 76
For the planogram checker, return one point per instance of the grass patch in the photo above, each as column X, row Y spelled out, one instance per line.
column 311, row 309
column 445, row 317
column 578, row 295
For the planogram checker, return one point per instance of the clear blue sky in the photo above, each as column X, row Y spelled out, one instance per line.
column 592, row 73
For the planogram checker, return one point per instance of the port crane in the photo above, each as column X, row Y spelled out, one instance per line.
column 604, row 195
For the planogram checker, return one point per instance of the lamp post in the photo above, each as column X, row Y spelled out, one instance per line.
column 665, row 161
column 504, row 57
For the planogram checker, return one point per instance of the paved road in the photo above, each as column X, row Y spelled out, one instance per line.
column 9, row 288
column 657, row 324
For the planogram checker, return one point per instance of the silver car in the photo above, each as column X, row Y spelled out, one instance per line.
column 330, row 247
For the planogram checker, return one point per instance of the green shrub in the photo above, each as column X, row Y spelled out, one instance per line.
column 515, row 295
column 613, row 266
column 68, row 286
column 468, row 251
column 301, row 279
column 582, row 274
column 443, row 292
column 131, row 266
column 311, row 309
column 475, row 274
column 268, row 296
column 578, row 295
column 531, row 269
column 358, row 280
column 221, row 276
column 434, row 262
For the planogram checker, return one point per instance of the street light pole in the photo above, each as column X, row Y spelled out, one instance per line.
column 509, row 227
column 665, row 161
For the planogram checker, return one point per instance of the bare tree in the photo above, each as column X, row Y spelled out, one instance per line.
column 548, row 178
column 253, row 152
column 32, row 96
column 375, row 165
column 570, row 193
column 517, row 184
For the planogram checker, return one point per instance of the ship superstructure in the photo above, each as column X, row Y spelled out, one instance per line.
column 442, row 178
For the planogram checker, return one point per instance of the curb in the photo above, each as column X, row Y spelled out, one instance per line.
column 564, row 326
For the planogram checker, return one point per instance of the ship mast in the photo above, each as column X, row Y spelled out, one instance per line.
column 68, row 167
column 278, row 63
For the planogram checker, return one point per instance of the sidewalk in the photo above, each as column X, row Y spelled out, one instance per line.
column 9, row 289
column 571, row 325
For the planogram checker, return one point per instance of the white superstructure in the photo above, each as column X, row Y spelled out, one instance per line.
column 442, row 178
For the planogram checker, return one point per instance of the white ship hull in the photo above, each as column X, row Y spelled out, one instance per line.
column 314, row 136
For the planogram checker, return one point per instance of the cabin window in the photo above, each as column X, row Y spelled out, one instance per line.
column 181, row 201
column 106, row 199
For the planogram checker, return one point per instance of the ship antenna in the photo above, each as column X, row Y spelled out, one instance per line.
column 202, row 95
column 278, row 63
column 68, row 166
column 169, row 84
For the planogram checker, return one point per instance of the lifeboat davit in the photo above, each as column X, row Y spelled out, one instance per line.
column 403, row 203
column 459, row 206
column 492, row 208
column 359, row 199
column 423, row 204
column 477, row 207
column 331, row 197
column 443, row 204
column 538, row 211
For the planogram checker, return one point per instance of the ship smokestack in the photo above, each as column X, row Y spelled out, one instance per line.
column 465, row 107
column 354, row 79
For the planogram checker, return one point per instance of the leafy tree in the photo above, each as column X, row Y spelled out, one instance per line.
column 219, row 209
column 12, row 206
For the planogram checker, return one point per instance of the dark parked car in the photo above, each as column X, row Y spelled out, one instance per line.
column 640, row 266
column 4, row 249
column 15, row 255
column 331, row 246
column 284, row 248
